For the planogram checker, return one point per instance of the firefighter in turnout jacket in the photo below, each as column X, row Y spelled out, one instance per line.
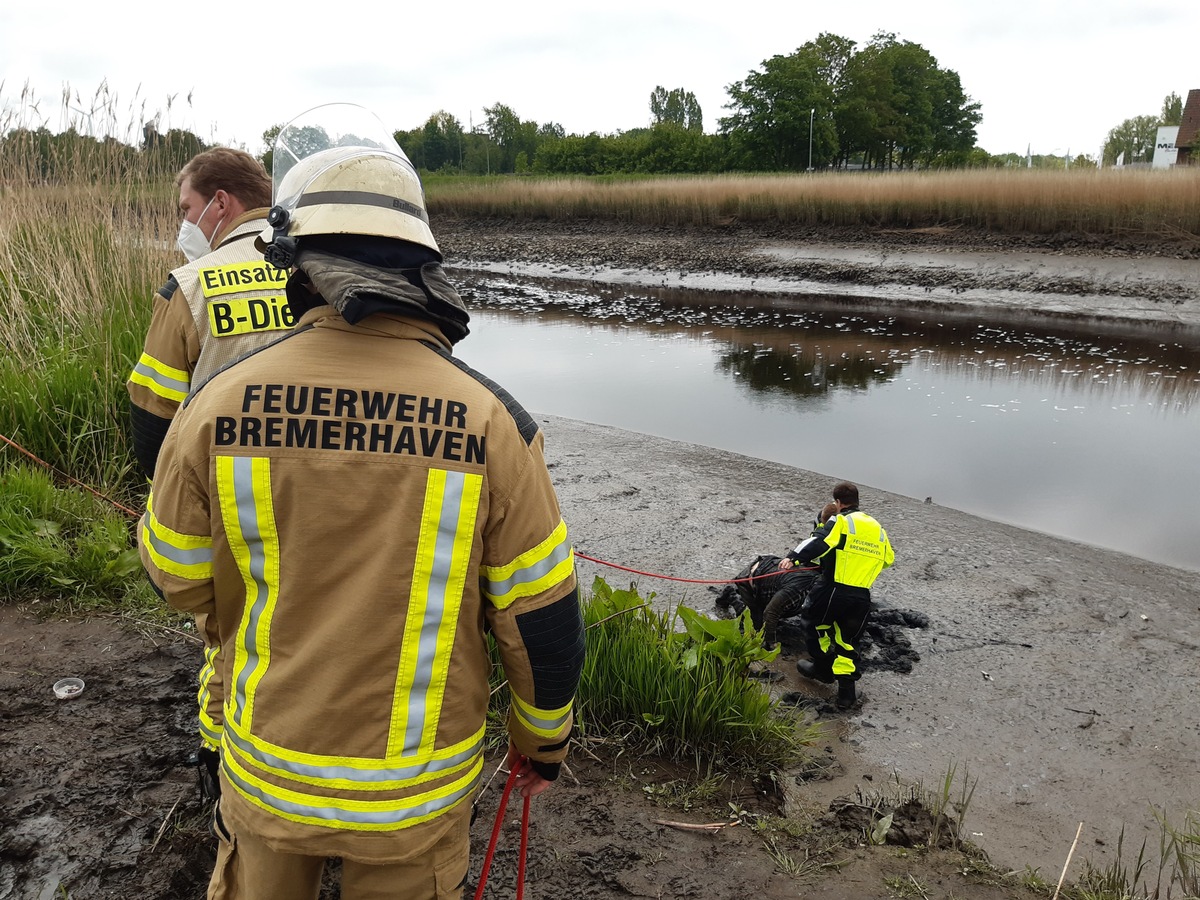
column 359, row 509
column 224, row 303
column 852, row 549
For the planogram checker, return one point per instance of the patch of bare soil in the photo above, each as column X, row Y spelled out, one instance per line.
column 98, row 800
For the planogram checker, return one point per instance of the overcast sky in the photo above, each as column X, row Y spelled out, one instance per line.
column 1055, row 75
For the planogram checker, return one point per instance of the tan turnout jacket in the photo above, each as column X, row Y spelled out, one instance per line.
column 355, row 507
column 210, row 312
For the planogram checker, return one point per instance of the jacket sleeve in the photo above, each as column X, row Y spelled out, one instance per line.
column 822, row 540
column 532, row 607
column 175, row 535
column 161, row 378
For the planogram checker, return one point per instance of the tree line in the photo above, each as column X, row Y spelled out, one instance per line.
column 829, row 104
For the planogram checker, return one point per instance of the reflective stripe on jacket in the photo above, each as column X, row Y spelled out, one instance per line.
column 209, row 313
column 354, row 506
column 861, row 544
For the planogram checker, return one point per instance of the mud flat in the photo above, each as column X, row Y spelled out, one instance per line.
column 1132, row 282
column 1057, row 675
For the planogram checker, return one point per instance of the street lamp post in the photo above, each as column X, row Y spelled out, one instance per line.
column 811, row 113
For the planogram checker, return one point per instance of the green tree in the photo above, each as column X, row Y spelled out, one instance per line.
column 1132, row 141
column 1172, row 110
column 774, row 114
column 901, row 108
column 268, row 138
column 676, row 107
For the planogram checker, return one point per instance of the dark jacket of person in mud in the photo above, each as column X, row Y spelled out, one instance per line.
column 771, row 594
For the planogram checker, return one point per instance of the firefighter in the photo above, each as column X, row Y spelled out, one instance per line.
column 358, row 509
column 852, row 549
column 224, row 302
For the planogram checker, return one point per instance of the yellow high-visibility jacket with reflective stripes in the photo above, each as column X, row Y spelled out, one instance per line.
column 861, row 545
column 355, row 507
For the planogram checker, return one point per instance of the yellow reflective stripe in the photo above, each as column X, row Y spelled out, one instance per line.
column 547, row 723
column 248, row 513
column 210, row 731
column 187, row 556
column 217, row 281
column 549, row 563
column 444, row 543
column 166, row 381
column 350, row 772
column 353, row 815
column 842, row 665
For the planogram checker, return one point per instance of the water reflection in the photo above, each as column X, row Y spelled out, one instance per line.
column 1060, row 431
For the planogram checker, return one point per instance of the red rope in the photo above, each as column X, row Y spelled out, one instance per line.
column 75, row 481
column 693, row 580
column 491, row 850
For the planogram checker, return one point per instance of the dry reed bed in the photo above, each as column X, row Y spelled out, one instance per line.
column 1105, row 201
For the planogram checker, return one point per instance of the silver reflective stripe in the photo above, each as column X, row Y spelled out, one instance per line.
column 849, row 523
column 547, row 724
column 330, row 813
column 435, row 610
column 377, row 773
column 163, row 381
column 199, row 556
column 248, row 526
column 531, row 573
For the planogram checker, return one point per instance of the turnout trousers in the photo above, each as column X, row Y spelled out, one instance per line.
column 834, row 617
column 247, row 869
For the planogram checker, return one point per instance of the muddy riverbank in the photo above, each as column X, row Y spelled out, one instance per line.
column 1134, row 281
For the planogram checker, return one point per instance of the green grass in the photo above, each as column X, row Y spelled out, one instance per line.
column 65, row 547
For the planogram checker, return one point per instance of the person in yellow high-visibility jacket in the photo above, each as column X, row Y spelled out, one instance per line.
column 852, row 548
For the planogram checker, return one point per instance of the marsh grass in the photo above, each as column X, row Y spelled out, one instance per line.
column 659, row 688
column 66, row 548
column 1030, row 201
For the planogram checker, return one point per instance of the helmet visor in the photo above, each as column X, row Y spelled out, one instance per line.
column 346, row 126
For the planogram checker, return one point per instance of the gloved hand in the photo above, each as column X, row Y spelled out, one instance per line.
column 208, row 768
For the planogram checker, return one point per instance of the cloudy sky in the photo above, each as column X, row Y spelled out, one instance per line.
column 1055, row 75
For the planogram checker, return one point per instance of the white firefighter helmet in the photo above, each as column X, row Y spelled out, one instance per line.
column 337, row 170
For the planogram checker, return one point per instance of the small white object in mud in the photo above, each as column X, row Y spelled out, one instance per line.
column 68, row 688
column 1145, row 618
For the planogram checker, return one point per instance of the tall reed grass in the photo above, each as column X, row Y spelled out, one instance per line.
column 1030, row 201
column 79, row 264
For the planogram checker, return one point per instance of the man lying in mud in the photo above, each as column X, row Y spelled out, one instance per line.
column 770, row 591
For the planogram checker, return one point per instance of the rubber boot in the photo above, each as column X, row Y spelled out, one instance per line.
column 846, row 695
column 809, row 669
